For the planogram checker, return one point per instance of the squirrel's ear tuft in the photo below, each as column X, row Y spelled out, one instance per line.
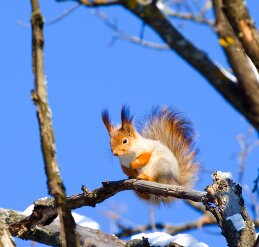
column 106, row 120
column 125, row 115
column 126, row 120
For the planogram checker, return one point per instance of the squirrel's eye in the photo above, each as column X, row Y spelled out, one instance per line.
column 124, row 141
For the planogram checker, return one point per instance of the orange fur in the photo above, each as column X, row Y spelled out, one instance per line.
column 141, row 161
column 175, row 132
column 129, row 172
column 163, row 152
column 144, row 176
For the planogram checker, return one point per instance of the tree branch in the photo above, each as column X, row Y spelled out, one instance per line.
column 248, row 82
column 45, row 211
column 223, row 199
column 95, row 3
column 227, row 205
column 5, row 237
column 50, row 235
column 55, row 185
column 243, row 97
column 168, row 228
column 124, row 36
column 183, row 16
column 241, row 22
column 233, row 92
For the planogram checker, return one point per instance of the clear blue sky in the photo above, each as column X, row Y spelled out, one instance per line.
column 84, row 76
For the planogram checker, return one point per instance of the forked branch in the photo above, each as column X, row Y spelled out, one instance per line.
column 223, row 199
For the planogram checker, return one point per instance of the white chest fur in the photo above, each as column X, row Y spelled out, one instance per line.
column 161, row 157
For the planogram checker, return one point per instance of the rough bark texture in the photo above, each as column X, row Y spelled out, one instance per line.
column 244, row 27
column 39, row 96
column 45, row 211
column 50, row 235
column 5, row 236
column 247, row 80
column 225, row 200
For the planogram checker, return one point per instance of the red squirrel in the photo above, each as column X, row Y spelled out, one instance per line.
column 162, row 152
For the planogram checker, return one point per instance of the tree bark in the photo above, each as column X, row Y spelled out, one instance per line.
column 55, row 184
column 227, row 205
column 223, row 199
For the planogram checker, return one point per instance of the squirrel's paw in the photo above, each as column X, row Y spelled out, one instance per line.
column 144, row 176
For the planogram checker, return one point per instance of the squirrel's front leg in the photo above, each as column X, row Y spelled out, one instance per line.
column 129, row 172
column 140, row 161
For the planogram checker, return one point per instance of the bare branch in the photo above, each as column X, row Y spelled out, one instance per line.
column 63, row 15
column 50, row 235
column 95, row 3
column 168, row 228
column 5, row 236
column 227, row 206
column 55, row 185
column 183, row 16
column 242, row 95
column 247, row 145
column 244, row 27
column 124, row 36
column 45, row 211
column 223, row 199
column 197, row 206
column 256, row 183
column 248, row 80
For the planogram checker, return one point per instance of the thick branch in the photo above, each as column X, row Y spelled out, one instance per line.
column 227, row 205
column 50, row 235
column 5, row 237
column 45, row 211
column 223, row 199
column 247, row 77
column 243, row 25
column 239, row 98
column 55, row 184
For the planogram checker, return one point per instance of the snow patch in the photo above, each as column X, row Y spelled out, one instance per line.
column 229, row 75
column 224, row 175
column 28, row 210
column 84, row 221
column 162, row 239
column 253, row 69
column 238, row 221
column 80, row 220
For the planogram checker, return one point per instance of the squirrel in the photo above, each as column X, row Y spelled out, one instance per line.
column 162, row 152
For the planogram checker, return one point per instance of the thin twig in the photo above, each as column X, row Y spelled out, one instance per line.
column 98, row 3
column 247, row 145
column 39, row 95
column 203, row 221
column 124, row 36
column 183, row 16
column 63, row 15
column 152, row 218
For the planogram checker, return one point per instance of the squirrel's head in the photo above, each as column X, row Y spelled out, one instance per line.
column 121, row 136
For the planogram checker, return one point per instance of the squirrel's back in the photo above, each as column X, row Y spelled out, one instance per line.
column 176, row 133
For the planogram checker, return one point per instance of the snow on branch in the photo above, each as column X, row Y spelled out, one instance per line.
column 223, row 199
column 227, row 205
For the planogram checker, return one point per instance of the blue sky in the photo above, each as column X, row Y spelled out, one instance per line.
column 85, row 75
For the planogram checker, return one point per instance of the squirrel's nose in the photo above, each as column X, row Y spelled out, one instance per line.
column 116, row 153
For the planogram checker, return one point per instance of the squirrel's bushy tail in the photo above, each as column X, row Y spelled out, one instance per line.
column 176, row 133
